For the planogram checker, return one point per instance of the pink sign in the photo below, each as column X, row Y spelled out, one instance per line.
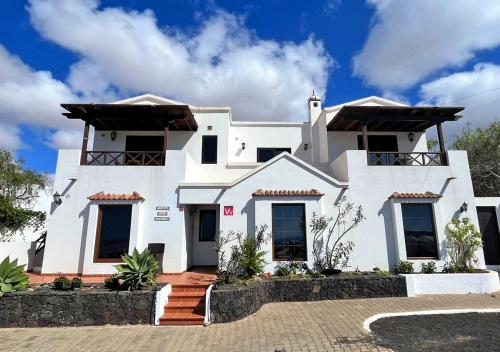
column 228, row 210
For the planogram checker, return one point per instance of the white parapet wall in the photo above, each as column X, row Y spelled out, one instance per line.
column 160, row 301
column 461, row 283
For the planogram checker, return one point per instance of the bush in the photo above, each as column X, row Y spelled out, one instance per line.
column 112, row 283
column 403, row 267
column 62, row 283
column 139, row 270
column 12, row 276
column 376, row 269
column 252, row 259
column 462, row 242
column 428, row 268
column 76, row 283
column 282, row 270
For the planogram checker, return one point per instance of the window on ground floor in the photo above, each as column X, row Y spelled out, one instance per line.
column 289, row 232
column 208, row 224
column 265, row 154
column 113, row 232
column 419, row 229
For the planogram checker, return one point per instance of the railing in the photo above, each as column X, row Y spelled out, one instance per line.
column 125, row 158
column 40, row 242
column 405, row 159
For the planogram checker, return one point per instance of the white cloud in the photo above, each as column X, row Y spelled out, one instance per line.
column 220, row 63
column 411, row 39
column 29, row 97
column 477, row 90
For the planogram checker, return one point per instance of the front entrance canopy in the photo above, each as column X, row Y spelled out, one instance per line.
column 391, row 118
column 133, row 117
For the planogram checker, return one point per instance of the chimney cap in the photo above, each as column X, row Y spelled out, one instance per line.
column 313, row 97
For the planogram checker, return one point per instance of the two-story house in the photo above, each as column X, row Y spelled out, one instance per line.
column 159, row 173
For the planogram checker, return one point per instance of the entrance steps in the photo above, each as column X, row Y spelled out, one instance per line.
column 186, row 305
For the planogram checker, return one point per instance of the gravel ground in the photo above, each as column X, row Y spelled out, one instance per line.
column 446, row 332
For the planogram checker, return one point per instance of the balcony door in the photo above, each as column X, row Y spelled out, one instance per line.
column 379, row 143
column 143, row 150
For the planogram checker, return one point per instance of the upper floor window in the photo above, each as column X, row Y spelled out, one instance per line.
column 265, row 154
column 209, row 150
column 380, row 143
column 113, row 232
column 419, row 229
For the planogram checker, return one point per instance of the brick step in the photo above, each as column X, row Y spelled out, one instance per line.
column 182, row 319
column 186, row 297
column 196, row 309
column 189, row 288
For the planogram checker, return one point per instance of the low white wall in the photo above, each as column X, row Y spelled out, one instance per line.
column 160, row 301
column 207, row 305
column 463, row 283
column 16, row 250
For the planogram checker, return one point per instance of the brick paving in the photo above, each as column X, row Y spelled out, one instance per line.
column 301, row 326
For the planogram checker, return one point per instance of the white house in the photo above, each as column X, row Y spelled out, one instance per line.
column 164, row 174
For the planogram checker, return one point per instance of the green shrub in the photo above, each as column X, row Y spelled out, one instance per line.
column 252, row 259
column 376, row 269
column 139, row 270
column 12, row 276
column 112, row 283
column 462, row 242
column 403, row 267
column 428, row 268
column 76, row 282
column 282, row 270
column 62, row 283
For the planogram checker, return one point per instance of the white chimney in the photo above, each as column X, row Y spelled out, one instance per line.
column 317, row 121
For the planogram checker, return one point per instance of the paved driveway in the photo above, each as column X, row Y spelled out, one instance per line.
column 309, row 326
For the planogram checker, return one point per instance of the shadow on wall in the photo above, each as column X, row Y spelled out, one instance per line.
column 85, row 215
column 249, row 211
column 390, row 236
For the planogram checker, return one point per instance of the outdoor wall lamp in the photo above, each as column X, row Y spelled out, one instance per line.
column 306, row 146
column 113, row 135
column 411, row 136
column 463, row 207
column 57, row 198
column 243, row 145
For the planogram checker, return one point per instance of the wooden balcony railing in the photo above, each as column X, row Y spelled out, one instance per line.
column 124, row 158
column 405, row 159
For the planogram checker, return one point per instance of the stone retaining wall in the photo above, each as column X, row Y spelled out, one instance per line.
column 229, row 303
column 47, row 307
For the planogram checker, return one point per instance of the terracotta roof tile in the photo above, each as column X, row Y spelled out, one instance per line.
column 414, row 195
column 115, row 196
column 284, row 193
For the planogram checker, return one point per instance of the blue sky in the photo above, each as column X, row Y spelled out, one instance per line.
column 262, row 58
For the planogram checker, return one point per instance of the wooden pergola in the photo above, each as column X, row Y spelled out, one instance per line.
column 131, row 117
column 394, row 119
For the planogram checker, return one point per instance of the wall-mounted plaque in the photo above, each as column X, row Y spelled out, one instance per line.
column 162, row 213
column 162, row 218
column 162, row 207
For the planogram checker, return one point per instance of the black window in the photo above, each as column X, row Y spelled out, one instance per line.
column 380, row 143
column 113, row 232
column 289, row 232
column 208, row 224
column 209, row 150
column 420, row 233
column 265, row 154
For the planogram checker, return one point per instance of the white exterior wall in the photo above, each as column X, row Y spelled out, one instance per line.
column 184, row 184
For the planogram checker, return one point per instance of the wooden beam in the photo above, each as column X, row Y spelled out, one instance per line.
column 365, row 136
column 165, row 144
column 442, row 148
column 83, row 155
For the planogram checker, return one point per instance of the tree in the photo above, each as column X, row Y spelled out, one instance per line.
column 19, row 188
column 483, row 148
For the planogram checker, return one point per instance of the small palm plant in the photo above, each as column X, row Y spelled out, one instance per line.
column 139, row 270
column 12, row 276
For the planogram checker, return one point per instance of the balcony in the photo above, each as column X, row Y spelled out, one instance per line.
column 405, row 159
column 123, row 158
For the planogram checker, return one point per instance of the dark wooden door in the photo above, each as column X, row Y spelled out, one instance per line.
column 488, row 225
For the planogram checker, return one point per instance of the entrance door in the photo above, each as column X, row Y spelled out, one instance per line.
column 488, row 225
column 206, row 226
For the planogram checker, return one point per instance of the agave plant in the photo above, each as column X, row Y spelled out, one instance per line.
column 139, row 270
column 12, row 276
